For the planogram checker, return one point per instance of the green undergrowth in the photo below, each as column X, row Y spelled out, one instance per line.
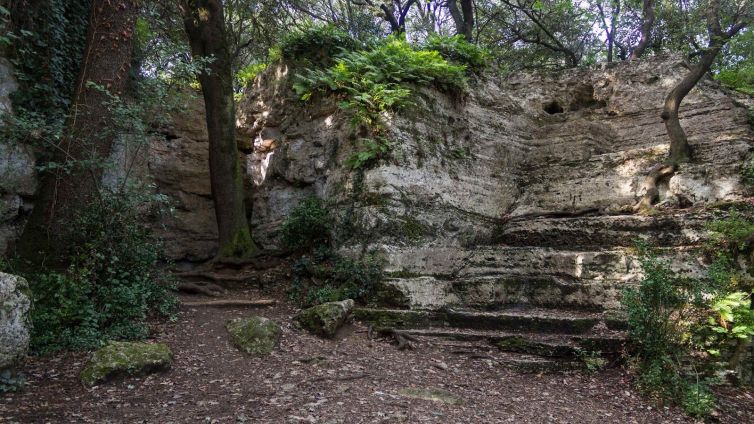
column 321, row 274
column 691, row 333
column 324, row 275
column 114, row 284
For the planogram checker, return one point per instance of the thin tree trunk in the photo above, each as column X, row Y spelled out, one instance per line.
column 680, row 150
column 648, row 20
column 463, row 18
column 88, row 139
column 205, row 28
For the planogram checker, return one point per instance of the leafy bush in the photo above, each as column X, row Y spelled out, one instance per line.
column 391, row 63
column 687, row 330
column 306, row 225
column 662, row 313
column 326, row 276
column 315, row 45
column 740, row 79
column 114, row 283
column 457, row 50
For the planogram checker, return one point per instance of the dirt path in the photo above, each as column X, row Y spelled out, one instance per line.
column 350, row 380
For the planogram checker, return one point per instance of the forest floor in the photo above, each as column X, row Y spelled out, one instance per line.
column 352, row 379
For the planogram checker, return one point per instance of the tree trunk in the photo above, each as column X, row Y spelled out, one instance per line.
column 680, row 151
column 648, row 20
column 88, row 139
column 463, row 18
column 205, row 28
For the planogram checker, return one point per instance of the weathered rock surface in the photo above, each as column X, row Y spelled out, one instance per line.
column 15, row 319
column 179, row 165
column 325, row 319
column 121, row 359
column 254, row 335
column 520, row 194
column 18, row 179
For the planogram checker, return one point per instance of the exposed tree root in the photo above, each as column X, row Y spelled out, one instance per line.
column 651, row 192
column 404, row 340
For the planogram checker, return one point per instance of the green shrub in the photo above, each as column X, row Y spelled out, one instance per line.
column 740, row 79
column 662, row 312
column 457, row 50
column 306, row 225
column 391, row 62
column 326, row 276
column 114, row 282
column 314, row 45
column 698, row 401
column 655, row 326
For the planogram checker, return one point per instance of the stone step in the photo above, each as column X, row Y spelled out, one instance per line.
column 529, row 320
column 541, row 344
column 601, row 231
column 496, row 291
column 433, row 277
column 520, row 361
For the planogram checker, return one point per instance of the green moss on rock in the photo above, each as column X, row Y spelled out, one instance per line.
column 254, row 335
column 119, row 359
column 325, row 319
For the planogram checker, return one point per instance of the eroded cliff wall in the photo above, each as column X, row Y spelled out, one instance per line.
column 520, row 192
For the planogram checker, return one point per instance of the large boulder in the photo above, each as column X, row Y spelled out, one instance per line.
column 325, row 319
column 254, row 335
column 120, row 359
column 15, row 319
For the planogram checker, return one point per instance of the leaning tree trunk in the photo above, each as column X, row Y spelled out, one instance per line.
column 205, row 28
column 680, row 150
column 88, row 140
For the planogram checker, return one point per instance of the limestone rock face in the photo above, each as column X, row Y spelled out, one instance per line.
column 179, row 165
column 120, row 359
column 18, row 178
column 254, row 335
column 15, row 319
column 325, row 319
column 520, row 193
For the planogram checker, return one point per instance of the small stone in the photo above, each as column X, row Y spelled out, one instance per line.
column 325, row 319
column 254, row 335
column 119, row 359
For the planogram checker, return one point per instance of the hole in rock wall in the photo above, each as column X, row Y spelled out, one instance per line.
column 553, row 107
column 583, row 98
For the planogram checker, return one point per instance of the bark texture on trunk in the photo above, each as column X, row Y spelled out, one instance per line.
column 463, row 18
column 88, row 139
column 647, row 22
column 205, row 28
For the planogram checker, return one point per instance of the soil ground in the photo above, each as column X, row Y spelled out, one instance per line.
column 352, row 379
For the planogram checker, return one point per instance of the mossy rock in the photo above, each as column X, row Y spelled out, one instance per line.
column 325, row 319
column 521, row 344
column 254, row 335
column 120, row 359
